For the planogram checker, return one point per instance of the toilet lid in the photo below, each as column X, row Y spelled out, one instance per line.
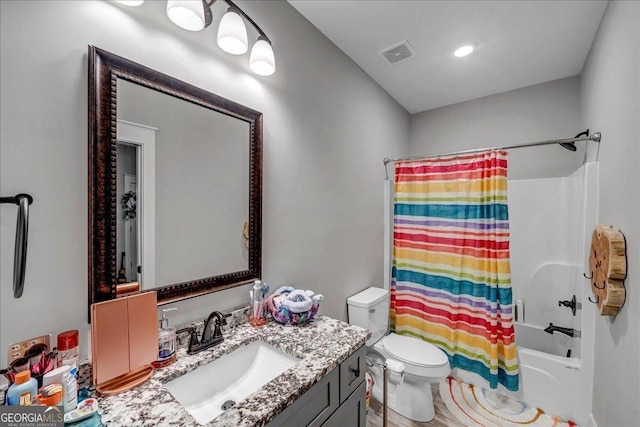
column 414, row 351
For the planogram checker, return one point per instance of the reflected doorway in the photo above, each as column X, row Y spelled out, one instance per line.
column 127, row 224
column 135, row 192
column 131, row 228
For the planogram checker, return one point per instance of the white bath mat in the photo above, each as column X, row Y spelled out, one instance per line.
column 477, row 407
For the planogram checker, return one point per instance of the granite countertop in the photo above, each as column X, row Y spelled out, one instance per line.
column 322, row 344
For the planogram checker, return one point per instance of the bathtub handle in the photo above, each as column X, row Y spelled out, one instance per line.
column 572, row 304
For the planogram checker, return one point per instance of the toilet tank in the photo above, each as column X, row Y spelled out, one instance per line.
column 369, row 309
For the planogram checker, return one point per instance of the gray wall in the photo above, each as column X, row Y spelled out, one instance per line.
column 610, row 100
column 327, row 126
column 535, row 113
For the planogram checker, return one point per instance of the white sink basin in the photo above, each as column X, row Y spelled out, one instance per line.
column 204, row 391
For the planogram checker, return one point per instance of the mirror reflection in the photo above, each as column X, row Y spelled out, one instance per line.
column 175, row 185
column 182, row 189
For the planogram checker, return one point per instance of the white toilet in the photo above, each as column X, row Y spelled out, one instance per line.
column 412, row 364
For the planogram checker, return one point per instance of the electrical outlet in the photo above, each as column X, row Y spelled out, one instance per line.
column 17, row 350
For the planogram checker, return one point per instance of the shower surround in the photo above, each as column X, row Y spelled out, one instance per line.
column 551, row 221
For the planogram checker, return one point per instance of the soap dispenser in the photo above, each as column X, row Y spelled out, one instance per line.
column 166, row 341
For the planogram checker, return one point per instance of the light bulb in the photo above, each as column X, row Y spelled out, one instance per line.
column 262, row 60
column 187, row 14
column 232, row 34
column 132, row 3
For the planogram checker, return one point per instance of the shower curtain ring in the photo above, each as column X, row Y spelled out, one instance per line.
column 585, row 276
column 592, row 301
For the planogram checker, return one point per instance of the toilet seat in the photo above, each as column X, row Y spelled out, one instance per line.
column 414, row 351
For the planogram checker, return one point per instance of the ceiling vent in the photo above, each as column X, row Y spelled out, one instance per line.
column 397, row 53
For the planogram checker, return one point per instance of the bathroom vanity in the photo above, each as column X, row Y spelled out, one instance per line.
column 325, row 387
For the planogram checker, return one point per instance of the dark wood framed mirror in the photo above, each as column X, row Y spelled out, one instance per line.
column 199, row 212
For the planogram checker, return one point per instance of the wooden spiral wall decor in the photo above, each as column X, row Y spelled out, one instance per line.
column 608, row 265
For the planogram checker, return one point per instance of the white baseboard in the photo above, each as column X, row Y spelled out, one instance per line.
column 592, row 421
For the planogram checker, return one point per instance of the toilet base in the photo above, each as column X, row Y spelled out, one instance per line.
column 412, row 398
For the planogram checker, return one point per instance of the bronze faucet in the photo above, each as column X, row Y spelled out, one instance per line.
column 567, row 331
column 211, row 334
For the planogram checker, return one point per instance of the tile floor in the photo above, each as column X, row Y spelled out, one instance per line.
column 443, row 418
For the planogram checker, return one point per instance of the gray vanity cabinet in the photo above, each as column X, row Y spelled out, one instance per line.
column 337, row 400
column 352, row 412
column 352, row 373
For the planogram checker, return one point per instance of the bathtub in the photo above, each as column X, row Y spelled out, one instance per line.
column 551, row 371
column 547, row 381
column 534, row 337
column 548, row 378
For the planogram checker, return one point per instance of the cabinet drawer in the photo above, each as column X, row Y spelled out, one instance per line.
column 352, row 412
column 352, row 373
column 314, row 407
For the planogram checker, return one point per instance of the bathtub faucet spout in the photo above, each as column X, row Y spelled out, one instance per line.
column 567, row 331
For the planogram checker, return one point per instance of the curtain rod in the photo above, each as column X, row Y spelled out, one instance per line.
column 595, row 138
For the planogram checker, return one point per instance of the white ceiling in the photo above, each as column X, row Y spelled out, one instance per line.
column 517, row 43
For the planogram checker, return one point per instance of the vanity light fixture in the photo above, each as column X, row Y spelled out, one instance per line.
column 463, row 51
column 196, row 15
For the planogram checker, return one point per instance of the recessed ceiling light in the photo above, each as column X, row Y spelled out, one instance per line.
column 463, row 51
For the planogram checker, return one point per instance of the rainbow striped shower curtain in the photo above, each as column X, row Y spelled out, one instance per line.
column 451, row 278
